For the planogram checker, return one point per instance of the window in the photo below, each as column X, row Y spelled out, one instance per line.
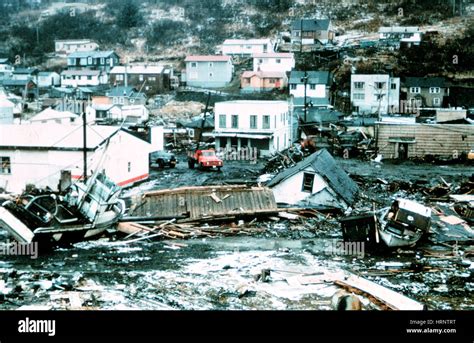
column 89, row 77
column 436, row 101
column 260, row 61
column 211, row 75
column 359, row 96
column 222, row 121
column 266, row 122
column 235, row 121
column 5, row 165
column 115, row 100
column 89, row 60
column 415, row 90
column 102, row 61
column 253, row 122
column 194, row 65
column 293, row 86
column 308, row 181
column 393, row 86
column 278, row 61
column 152, row 78
column 272, row 81
column 129, row 167
column 379, row 85
column 435, row 90
column 313, row 87
column 140, row 77
column 359, row 85
column 120, row 77
column 211, row 65
column 122, row 100
column 378, row 96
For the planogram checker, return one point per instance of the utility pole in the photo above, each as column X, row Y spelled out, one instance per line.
column 301, row 35
column 304, row 79
column 84, row 152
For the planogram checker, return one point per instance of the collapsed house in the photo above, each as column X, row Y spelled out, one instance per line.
column 316, row 182
column 194, row 204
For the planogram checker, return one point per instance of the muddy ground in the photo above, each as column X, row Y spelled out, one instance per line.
column 220, row 273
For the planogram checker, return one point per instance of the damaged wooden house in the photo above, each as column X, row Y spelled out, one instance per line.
column 316, row 182
column 203, row 203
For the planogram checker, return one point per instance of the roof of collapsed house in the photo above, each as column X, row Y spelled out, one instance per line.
column 325, row 165
column 197, row 203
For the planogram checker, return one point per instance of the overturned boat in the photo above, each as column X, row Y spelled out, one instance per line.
column 404, row 223
column 83, row 212
column 401, row 225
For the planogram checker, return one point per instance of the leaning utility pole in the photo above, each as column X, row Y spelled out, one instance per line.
column 84, row 152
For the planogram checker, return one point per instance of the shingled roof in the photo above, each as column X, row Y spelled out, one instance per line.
column 325, row 165
column 311, row 24
column 425, row 82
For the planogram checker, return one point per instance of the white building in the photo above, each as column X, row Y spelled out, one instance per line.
column 6, row 111
column 48, row 79
column 131, row 114
column 85, row 77
column 410, row 35
column 283, row 62
column 317, row 181
column 317, row 84
column 246, row 47
column 6, row 69
column 50, row 115
column 68, row 46
column 375, row 93
column 36, row 154
column 264, row 125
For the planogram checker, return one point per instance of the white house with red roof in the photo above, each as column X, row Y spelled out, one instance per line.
column 213, row 71
column 282, row 62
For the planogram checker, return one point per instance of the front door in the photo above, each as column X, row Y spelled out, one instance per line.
column 402, row 151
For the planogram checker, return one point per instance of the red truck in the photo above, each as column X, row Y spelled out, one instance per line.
column 205, row 159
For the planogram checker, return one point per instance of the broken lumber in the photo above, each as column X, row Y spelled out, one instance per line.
column 392, row 299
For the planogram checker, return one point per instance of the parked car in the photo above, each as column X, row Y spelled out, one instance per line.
column 163, row 159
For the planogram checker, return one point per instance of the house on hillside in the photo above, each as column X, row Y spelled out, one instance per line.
column 274, row 62
column 425, row 91
column 94, row 60
column 317, row 181
column 150, row 79
column 312, row 31
column 208, row 71
column 126, row 96
column 83, row 78
column 68, row 46
column 400, row 35
column 262, row 81
column 375, row 93
column 246, row 47
column 6, row 69
column 317, row 84
column 48, row 79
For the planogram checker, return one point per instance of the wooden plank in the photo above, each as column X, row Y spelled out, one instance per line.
column 392, row 299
